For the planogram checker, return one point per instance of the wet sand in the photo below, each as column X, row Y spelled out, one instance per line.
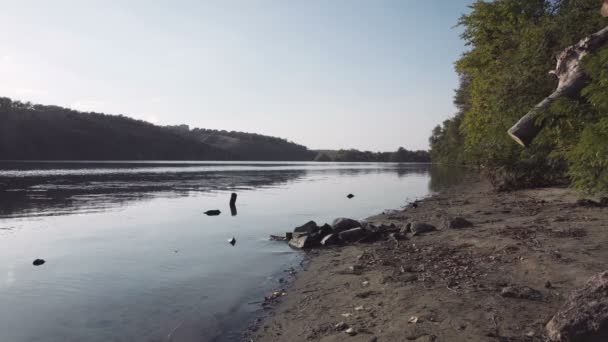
column 446, row 285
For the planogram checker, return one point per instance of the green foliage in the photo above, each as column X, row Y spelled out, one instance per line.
column 589, row 159
column 400, row 156
column 513, row 44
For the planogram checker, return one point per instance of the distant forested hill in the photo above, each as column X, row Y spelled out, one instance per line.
column 400, row 156
column 248, row 146
column 30, row 131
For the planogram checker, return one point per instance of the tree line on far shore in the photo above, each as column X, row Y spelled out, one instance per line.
column 400, row 156
column 512, row 46
column 39, row 132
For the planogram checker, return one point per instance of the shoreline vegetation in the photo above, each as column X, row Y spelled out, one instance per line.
column 510, row 70
column 502, row 276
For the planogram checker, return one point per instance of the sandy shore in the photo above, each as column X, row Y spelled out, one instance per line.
column 447, row 285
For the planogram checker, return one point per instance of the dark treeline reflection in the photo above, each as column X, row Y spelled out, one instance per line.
column 32, row 189
column 56, row 195
column 444, row 176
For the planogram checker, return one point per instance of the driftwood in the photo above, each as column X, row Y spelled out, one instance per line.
column 569, row 72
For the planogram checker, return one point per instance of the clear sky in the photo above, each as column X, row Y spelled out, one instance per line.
column 366, row 74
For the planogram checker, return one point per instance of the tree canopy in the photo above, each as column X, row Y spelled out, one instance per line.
column 512, row 46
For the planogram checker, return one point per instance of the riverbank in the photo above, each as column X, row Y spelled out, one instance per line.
column 449, row 284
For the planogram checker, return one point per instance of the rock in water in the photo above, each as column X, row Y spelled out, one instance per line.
column 349, row 196
column 420, row 228
column 309, row 227
column 38, row 262
column 341, row 224
column 302, row 242
column 458, row 223
column 212, row 212
column 232, row 241
column 584, row 316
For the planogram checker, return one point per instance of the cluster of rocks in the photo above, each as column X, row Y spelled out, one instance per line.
column 346, row 230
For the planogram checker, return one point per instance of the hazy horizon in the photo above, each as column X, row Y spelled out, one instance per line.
column 327, row 75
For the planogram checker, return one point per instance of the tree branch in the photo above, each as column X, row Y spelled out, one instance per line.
column 569, row 72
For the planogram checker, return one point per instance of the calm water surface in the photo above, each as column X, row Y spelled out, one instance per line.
column 131, row 256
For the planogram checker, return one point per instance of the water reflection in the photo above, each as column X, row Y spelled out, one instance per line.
column 444, row 176
column 51, row 188
column 159, row 267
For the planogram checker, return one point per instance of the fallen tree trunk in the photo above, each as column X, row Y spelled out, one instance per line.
column 569, row 71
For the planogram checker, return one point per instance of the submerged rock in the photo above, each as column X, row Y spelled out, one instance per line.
column 212, row 212
column 38, row 262
column 349, row 196
column 420, row 228
column 584, row 316
column 232, row 241
column 341, row 224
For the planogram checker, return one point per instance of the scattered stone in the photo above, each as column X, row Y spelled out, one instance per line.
column 367, row 294
column 420, row 228
column 309, row 227
column 331, row 239
column 521, row 292
column 277, row 238
column 359, row 308
column 397, row 236
column 351, row 331
column 408, row 277
column 346, row 315
column 288, row 236
column 548, row 285
column 212, row 212
column 355, row 269
column 38, row 262
column 588, row 203
column 302, row 242
column 352, row 235
column 275, row 295
column 341, row 326
column 350, row 196
column 458, row 223
column 415, row 205
column 232, row 241
column 365, row 283
column 341, row 224
column 413, row 319
column 407, row 228
column 584, row 316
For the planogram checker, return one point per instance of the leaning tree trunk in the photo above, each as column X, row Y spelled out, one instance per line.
column 569, row 71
